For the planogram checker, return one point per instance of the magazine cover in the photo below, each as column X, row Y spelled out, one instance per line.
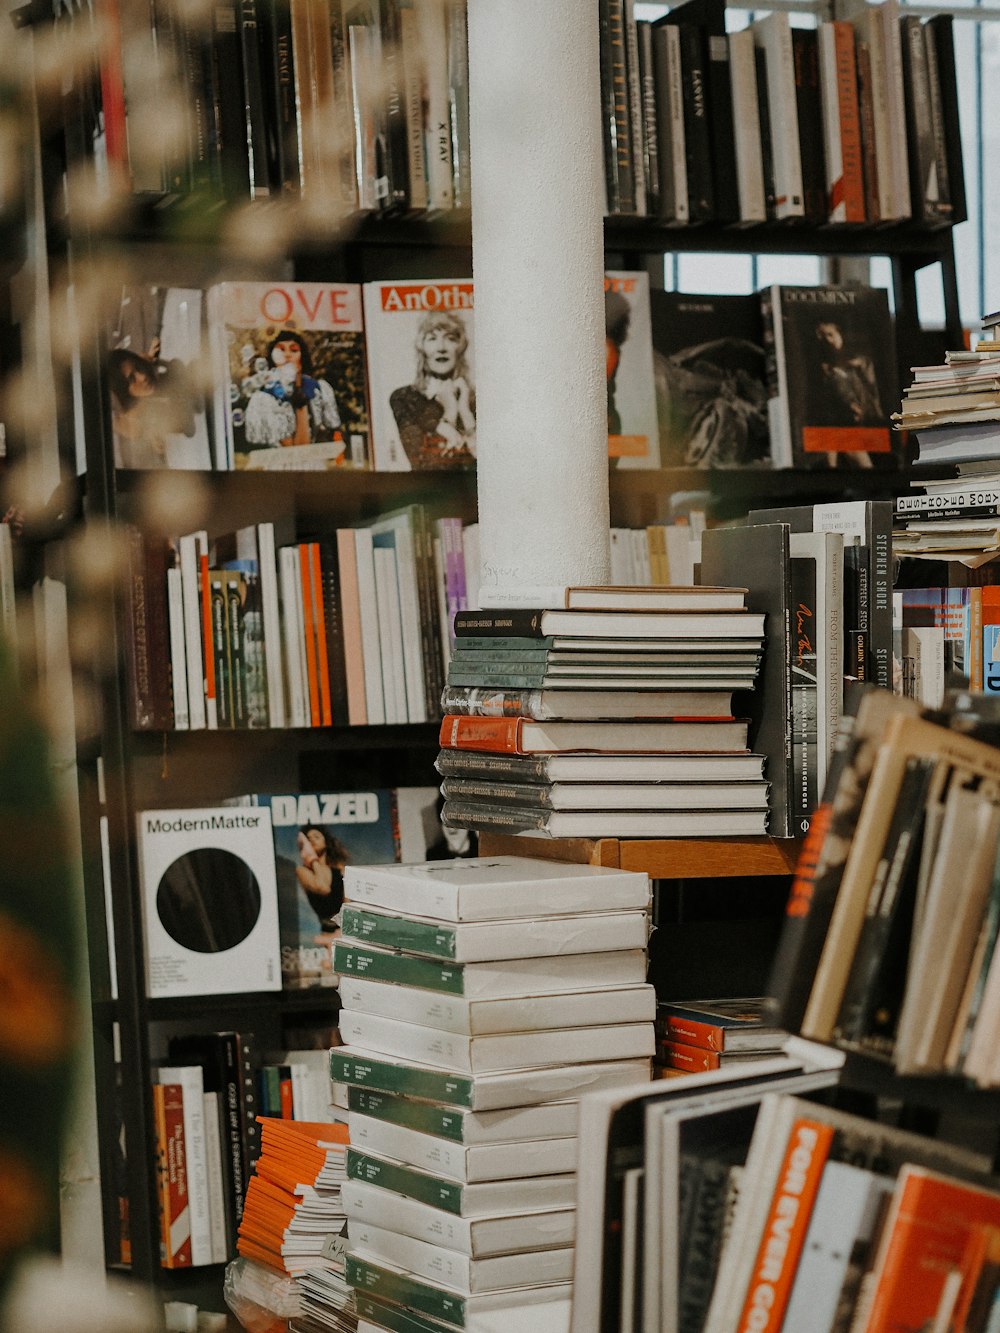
column 155, row 372
column 711, row 387
column 421, row 369
column 291, row 374
column 633, row 437
column 834, row 379
column 318, row 834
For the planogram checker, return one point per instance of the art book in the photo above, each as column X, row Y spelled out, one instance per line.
column 290, row 369
column 421, row 368
column 633, row 434
column 711, row 390
column 154, row 377
column 831, row 376
column 316, row 836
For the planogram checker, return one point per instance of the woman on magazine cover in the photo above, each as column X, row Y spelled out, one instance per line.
column 321, row 874
column 436, row 414
column 151, row 399
column 288, row 404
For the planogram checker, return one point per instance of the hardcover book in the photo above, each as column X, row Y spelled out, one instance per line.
column 154, row 378
column 711, row 390
column 421, row 367
column 831, row 376
column 290, row 366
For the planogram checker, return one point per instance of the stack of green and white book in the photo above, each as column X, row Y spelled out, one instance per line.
column 481, row 999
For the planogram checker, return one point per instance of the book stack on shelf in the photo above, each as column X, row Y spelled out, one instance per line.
column 707, row 1034
column 482, row 998
column 294, row 1214
column 853, row 121
column 884, row 951
column 638, row 682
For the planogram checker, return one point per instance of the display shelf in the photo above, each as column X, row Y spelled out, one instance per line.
column 660, row 858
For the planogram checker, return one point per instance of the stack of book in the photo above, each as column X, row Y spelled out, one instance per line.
column 294, row 1214
column 707, row 1034
column 481, row 999
column 609, row 717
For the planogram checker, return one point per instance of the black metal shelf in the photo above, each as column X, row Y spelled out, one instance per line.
column 211, row 743
column 932, row 1092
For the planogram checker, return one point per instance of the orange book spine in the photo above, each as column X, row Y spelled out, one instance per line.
column 175, row 1211
column 692, row 1059
column 285, row 1087
column 706, row 1036
column 975, row 638
column 322, row 658
column 499, row 735
column 853, row 179
column 781, row 1243
column 309, row 623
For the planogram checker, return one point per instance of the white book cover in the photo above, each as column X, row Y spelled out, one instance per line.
column 191, row 1080
column 452, row 1013
column 833, row 155
column 193, row 638
column 210, row 902
column 478, row 1237
column 390, row 634
column 216, row 1188
column 888, row 13
column 456, row 1161
column 421, row 370
column 492, row 888
column 371, row 642
column 155, row 384
column 746, row 127
column 495, row 1053
column 293, row 636
column 292, row 358
column 437, row 118
column 633, row 432
column 773, row 35
column 672, row 39
column 178, row 649
column 270, row 608
column 397, row 532
column 456, row 1271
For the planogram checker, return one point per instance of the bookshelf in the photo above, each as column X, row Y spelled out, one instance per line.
column 140, row 770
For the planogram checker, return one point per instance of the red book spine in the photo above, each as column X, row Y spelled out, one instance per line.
column 175, row 1212
column 497, row 734
column 853, row 179
column 706, row 1036
column 319, row 614
column 309, row 624
column 693, row 1059
column 206, row 632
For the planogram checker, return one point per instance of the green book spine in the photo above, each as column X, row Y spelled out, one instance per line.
column 502, row 679
column 349, row 960
column 393, row 1317
column 508, row 656
column 387, row 1076
column 445, row 1194
column 420, row 1297
column 444, row 1122
column 397, row 932
column 473, row 644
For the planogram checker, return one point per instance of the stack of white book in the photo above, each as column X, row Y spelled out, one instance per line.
column 481, row 999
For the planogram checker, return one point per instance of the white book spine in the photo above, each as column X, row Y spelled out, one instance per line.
column 746, row 128
column 773, row 34
column 292, row 636
column 390, row 635
column 880, row 110
column 178, row 651
column 193, row 639
column 833, row 157
column 411, row 628
column 434, row 47
column 458, row 1271
column 677, row 138
column 441, row 596
column 216, row 1188
column 495, row 1161
column 892, row 46
column 777, row 407
column 470, row 549
column 219, row 355
column 370, row 635
column 191, row 1081
column 105, row 834
column 271, row 615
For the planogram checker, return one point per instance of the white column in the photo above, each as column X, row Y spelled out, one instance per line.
column 538, row 264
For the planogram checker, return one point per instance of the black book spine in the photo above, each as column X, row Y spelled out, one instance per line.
column 766, row 152
column 330, row 580
column 925, row 201
column 855, row 643
column 397, row 154
column 519, row 623
column 279, row 87
column 253, row 100
column 697, row 135
column 230, row 103
column 246, row 1070
column 944, row 45
column 667, row 211
column 805, row 691
column 647, row 83
column 937, row 121
column 609, row 128
column 805, row 54
column 720, row 102
column 639, row 170
column 172, row 54
column 206, row 169
column 620, row 107
column 879, row 583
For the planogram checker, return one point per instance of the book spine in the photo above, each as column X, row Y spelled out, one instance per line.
column 440, row 1121
column 639, row 153
column 805, row 691
column 230, row 100
column 925, row 197
column 216, row 1189
column 220, row 647
column 869, row 152
column 350, row 628
column 940, row 148
column 236, row 590
column 246, row 1066
column 433, row 47
column 805, row 54
column 697, row 135
column 720, row 106
column 112, row 80
column 975, row 657
column 764, row 114
column 941, row 39
column 879, row 583
column 397, row 194
column 435, row 1302
column 490, row 819
column 692, row 1059
column 535, row 796
column 175, row 1209
column 318, row 599
column 434, row 1190
column 409, row 1080
column 691, row 1032
column 667, row 197
column 340, row 155
column 458, row 99
column 622, row 136
column 378, row 966
column 305, row 600
column 398, row 933
column 746, row 127
column 413, row 95
column 851, row 146
column 520, row 624
column 500, row 734
column 647, row 85
column 210, row 684
column 278, row 80
column 178, row 651
column 146, row 643
column 326, row 574
column 495, row 767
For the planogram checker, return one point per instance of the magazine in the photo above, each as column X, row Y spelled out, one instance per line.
column 633, row 437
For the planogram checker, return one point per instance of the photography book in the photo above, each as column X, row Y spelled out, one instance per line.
column 289, row 361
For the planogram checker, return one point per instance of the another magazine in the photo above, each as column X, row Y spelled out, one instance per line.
column 633, row 436
column 290, row 365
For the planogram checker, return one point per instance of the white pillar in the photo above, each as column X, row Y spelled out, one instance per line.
column 538, row 264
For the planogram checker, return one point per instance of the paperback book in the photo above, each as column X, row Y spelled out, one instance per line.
column 290, row 365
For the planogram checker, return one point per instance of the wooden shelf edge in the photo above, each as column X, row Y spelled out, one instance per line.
column 660, row 858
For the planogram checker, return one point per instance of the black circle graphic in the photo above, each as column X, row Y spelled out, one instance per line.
column 208, row 900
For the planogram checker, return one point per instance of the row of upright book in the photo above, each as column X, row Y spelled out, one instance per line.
column 381, row 376
column 853, row 121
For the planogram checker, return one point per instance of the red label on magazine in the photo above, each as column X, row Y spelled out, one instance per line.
column 846, row 439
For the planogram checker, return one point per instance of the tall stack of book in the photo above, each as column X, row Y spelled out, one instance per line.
column 294, row 1214
column 481, row 999
column 611, row 716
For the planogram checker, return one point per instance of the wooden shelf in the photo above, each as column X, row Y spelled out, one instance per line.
column 660, row 858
